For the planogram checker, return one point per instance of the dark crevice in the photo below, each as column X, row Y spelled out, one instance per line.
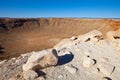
column 54, row 51
column 113, row 70
column 98, row 69
column 116, row 37
column 40, row 73
column 75, row 38
column 87, row 40
column 95, row 61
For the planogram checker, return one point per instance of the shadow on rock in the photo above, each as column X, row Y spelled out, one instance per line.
column 65, row 59
column 40, row 73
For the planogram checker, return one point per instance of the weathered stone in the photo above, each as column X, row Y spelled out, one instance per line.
column 93, row 35
column 2, row 62
column 103, row 42
column 71, row 69
column 30, row 75
column 118, row 52
column 87, row 62
column 12, row 78
column 27, row 54
column 95, row 40
column 106, row 68
column 17, row 77
column 64, row 53
column 86, row 53
column 60, row 76
column 104, row 59
column 74, row 38
column 41, row 60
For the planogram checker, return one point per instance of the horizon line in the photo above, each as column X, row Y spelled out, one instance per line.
column 61, row 17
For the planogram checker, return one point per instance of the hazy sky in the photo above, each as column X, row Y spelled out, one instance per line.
column 60, row 8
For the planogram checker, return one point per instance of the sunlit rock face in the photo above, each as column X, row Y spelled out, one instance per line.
column 42, row 59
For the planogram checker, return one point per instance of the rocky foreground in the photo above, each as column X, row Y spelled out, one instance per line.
column 83, row 57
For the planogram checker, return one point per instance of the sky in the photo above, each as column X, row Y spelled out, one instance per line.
column 60, row 8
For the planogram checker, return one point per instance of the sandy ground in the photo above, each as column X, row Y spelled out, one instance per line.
column 16, row 44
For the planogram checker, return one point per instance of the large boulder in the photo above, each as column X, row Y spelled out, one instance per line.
column 42, row 59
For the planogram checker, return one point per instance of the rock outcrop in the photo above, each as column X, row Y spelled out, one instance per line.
column 42, row 59
column 83, row 57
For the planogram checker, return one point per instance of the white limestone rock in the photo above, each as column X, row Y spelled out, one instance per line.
column 106, row 68
column 41, row 60
column 92, row 35
column 87, row 62
column 71, row 69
